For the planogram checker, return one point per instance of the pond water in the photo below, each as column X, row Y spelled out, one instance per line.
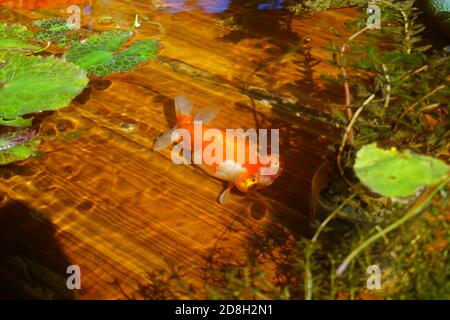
column 98, row 197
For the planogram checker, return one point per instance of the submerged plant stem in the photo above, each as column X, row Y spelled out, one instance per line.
column 331, row 216
column 388, row 88
column 348, row 130
column 414, row 210
column 310, row 248
column 348, row 101
column 49, row 43
column 429, row 94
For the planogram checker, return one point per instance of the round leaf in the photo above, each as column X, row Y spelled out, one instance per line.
column 15, row 39
column 100, row 54
column 397, row 174
column 35, row 84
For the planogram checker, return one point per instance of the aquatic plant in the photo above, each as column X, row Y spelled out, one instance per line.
column 396, row 93
column 31, row 84
column 56, row 30
column 101, row 54
column 313, row 6
column 36, row 84
column 16, row 39
column 249, row 282
column 18, row 146
column 391, row 173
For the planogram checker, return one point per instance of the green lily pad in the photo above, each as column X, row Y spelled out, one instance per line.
column 18, row 122
column 34, row 84
column 56, row 30
column 15, row 39
column 53, row 24
column 397, row 174
column 100, row 54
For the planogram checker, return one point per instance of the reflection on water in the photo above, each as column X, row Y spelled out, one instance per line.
column 276, row 4
column 171, row 6
column 174, row 6
column 209, row 6
column 41, row 4
column 213, row 6
column 120, row 210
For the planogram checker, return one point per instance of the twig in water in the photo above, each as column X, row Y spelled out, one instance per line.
column 414, row 210
column 388, row 88
column 310, row 248
column 331, row 216
column 429, row 94
column 348, row 100
column 346, row 134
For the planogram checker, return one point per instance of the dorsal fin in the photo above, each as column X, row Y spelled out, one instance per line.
column 206, row 115
column 183, row 106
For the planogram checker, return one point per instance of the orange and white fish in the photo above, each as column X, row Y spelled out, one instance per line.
column 245, row 175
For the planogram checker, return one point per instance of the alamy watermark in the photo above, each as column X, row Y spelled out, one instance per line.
column 74, row 280
column 74, row 20
column 374, row 280
column 374, row 20
column 214, row 147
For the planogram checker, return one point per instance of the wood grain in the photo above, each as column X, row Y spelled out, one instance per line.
column 98, row 197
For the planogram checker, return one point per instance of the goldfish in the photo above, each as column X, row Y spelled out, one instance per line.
column 246, row 172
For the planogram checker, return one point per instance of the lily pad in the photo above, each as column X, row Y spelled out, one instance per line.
column 391, row 173
column 18, row 122
column 56, row 30
column 15, row 39
column 34, row 84
column 18, row 146
column 100, row 54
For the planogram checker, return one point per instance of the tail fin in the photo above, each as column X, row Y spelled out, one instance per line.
column 183, row 109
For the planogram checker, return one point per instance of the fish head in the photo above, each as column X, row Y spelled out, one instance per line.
column 264, row 177
column 246, row 182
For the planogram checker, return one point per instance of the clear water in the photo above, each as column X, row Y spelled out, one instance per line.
column 99, row 198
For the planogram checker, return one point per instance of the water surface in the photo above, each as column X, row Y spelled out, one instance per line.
column 98, row 197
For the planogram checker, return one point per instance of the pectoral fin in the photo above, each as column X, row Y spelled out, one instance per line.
column 226, row 194
column 164, row 140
